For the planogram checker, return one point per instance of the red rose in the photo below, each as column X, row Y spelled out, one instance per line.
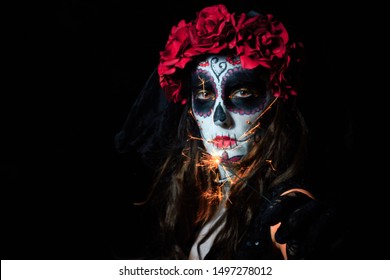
column 260, row 40
column 172, row 58
column 171, row 88
column 173, row 55
column 212, row 31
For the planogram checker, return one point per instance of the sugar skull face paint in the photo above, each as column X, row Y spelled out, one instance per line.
column 226, row 102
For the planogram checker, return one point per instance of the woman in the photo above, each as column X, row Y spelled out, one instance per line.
column 219, row 121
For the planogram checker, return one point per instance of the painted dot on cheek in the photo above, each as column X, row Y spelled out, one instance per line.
column 248, row 122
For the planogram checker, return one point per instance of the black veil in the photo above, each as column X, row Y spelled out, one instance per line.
column 151, row 124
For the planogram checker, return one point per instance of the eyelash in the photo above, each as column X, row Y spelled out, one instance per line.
column 207, row 95
column 204, row 95
column 246, row 91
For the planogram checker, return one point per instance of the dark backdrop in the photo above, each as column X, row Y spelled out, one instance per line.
column 76, row 67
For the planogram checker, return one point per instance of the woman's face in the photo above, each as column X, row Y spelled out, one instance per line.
column 226, row 101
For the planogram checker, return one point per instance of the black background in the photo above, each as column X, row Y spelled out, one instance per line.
column 76, row 67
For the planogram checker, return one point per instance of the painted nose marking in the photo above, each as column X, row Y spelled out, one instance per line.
column 219, row 114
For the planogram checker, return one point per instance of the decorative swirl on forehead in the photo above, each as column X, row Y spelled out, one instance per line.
column 218, row 67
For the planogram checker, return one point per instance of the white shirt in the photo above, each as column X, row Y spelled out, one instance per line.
column 205, row 247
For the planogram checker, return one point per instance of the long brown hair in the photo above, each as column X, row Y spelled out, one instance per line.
column 190, row 191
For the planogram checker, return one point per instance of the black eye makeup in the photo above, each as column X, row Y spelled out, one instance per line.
column 244, row 91
column 203, row 93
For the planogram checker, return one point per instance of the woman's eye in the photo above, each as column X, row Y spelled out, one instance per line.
column 205, row 95
column 243, row 93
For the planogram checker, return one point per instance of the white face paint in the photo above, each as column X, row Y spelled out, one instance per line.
column 226, row 101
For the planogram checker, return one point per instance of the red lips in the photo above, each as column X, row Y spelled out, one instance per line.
column 224, row 142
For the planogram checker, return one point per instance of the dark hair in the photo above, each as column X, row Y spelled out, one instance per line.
column 187, row 193
column 190, row 191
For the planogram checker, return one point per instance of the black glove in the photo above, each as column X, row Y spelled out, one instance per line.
column 310, row 229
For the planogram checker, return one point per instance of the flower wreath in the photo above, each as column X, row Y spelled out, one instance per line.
column 256, row 40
